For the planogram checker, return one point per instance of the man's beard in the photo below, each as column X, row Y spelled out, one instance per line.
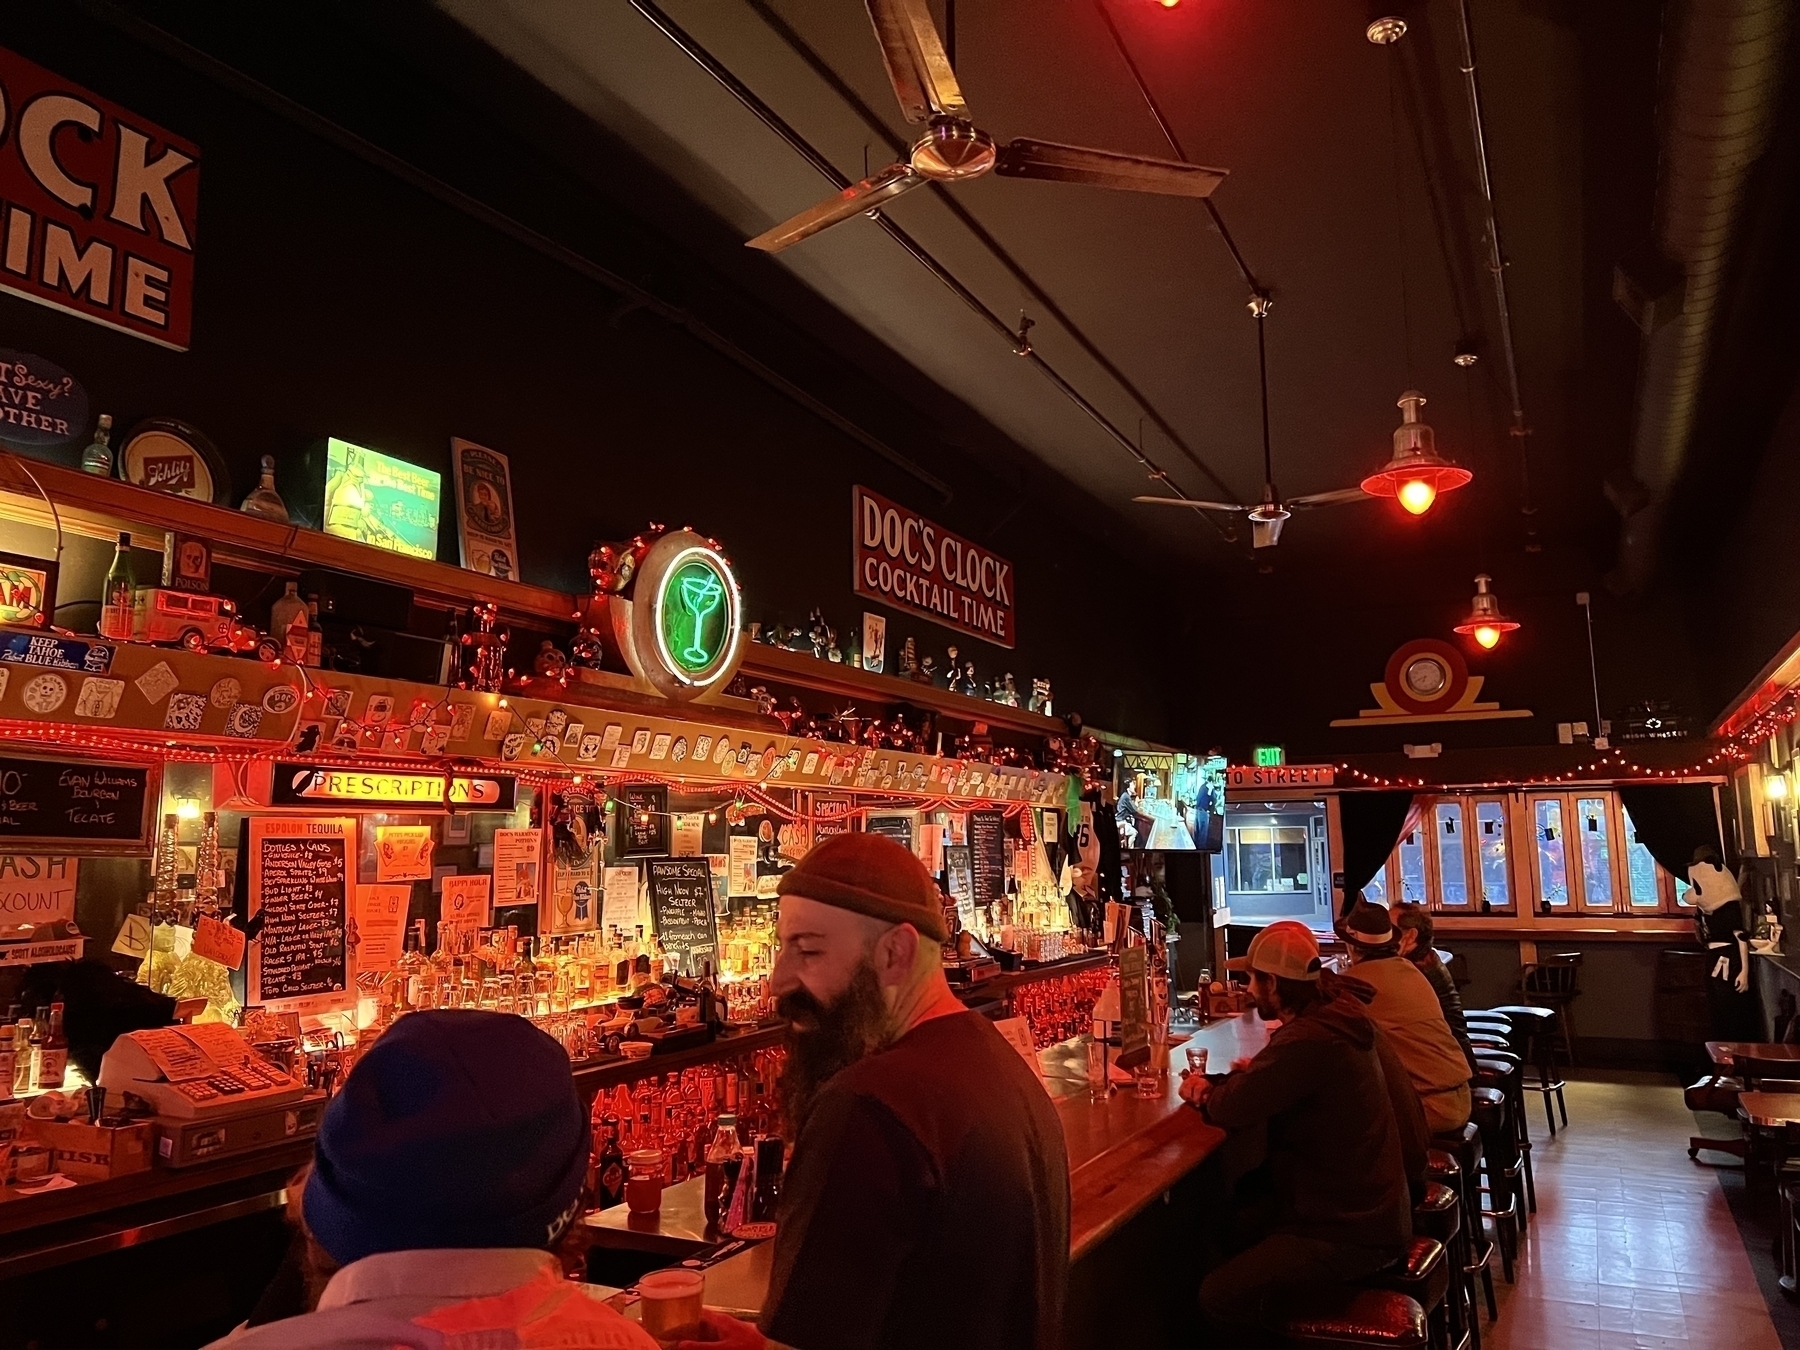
column 824, row 1038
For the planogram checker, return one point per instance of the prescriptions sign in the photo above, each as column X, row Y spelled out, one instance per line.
column 905, row 560
column 97, row 207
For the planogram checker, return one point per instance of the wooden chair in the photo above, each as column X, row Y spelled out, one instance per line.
column 1555, row 983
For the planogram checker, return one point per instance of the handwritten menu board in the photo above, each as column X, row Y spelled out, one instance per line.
column 681, row 892
column 987, row 855
column 68, row 801
column 1134, row 1008
column 300, row 884
column 646, row 828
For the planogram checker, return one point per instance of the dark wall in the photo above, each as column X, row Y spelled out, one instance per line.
column 334, row 298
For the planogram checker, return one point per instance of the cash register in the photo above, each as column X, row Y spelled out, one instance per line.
column 212, row 1095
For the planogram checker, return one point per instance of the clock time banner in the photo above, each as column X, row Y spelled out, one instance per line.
column 914, row 564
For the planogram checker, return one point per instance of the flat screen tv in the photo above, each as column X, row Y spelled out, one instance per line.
column 1170, row 800
column 376, row 499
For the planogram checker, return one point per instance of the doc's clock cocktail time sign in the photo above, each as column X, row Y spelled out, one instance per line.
column 911, row 563
column 97, row 207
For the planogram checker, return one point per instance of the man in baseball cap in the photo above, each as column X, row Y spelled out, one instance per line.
column 1342, row 1204
column 923, row 1143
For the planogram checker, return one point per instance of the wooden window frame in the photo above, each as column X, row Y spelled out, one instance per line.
column 1469, row 802
column 1618, row 860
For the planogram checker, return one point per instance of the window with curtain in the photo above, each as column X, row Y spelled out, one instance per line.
column 1452, row 859
column 1490, row 847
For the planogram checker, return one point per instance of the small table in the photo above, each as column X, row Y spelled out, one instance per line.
column 1723, row 1053
column 1770, row 1110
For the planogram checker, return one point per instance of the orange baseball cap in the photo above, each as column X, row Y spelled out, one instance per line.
column 1288, row 950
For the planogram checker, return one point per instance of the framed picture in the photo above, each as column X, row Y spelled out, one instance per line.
column 644, row 831
column 488, row 533
column 27, row 590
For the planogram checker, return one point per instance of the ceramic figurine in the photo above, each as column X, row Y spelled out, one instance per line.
column 1008, row 692
column 549, row 662
column 818, row 633
column 764, row 700
column 753, row 633
column 832, row 654
column 928, row 671
column 1040, row 697
column 967, row 684
column 952, row 669
column 909, row 661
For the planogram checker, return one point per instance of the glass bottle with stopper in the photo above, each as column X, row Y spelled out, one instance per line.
column 98, row 457
column 264, row 500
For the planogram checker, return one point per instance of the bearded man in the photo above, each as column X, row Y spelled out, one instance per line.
column 927, row 1201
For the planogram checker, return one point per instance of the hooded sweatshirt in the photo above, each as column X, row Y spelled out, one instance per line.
column 1334, row 1148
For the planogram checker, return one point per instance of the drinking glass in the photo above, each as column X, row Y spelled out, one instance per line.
column 671, row 1304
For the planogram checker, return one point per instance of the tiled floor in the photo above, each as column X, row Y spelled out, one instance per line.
column 1632, row 1244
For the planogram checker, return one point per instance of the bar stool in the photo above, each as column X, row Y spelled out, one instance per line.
column 1497, row 1069
column 1489, row 1040
column 1538, row 1026
column 1423, row 1275
column 1356, row 1318
column 1437, row 1216
column 1455, row 1161
column 1556, row 983
column 1504, row 1168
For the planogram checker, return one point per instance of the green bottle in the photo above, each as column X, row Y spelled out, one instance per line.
column 118, row 595
column 98, row 457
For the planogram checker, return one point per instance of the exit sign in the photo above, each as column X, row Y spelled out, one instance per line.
column 1270, row 756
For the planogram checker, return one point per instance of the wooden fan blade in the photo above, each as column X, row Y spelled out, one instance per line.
column 853, row 200
column 1104, row 168
column 1333, row 498
column 916, row 64
column 1197, row 506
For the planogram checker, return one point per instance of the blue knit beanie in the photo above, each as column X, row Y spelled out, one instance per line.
column 456, row 1129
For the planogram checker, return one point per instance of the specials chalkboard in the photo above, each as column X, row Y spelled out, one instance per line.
column 987, row 855
column 300, row 875
column 1134, row 1008
column 898, row 827
column 681, row 907
column 68, row 802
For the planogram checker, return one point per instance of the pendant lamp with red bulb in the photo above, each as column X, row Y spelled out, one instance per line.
column 1486, row 624
column 1416, row 475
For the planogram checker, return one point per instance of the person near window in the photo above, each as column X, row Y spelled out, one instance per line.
column 1341, row 1206
column 1406, row 1009
column 1413, row 923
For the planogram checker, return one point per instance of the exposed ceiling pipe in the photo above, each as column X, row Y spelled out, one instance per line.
column 689, row 46
column 1723, row 84
column 1521, row 430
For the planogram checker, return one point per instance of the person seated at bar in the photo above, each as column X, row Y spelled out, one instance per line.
column 447, row 1176
column 1413, row 923
column 1406, row 1009
column 927, row 1200
column 1342, row 1207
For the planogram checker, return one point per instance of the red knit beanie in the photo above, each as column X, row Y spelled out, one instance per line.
column 873, row 875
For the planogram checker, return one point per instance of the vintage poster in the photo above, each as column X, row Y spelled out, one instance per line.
column 376, row 499
column 518, row 858
column 488, row 533
column 380, row 925
column 686, row 830
column 743, row 864
column 403, row 852
column 620, row 905
column 573, row 904
column 466, row 900
column 874, row 642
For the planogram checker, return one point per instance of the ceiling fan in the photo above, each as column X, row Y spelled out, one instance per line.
column 954, row 148
column 1269, row 515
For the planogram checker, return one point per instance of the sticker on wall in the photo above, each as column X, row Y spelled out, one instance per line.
column 573, row 733
column 45, row 693
column 511, row 747
column 589, row 750
column 555, row 721
column 5, row 675
column 225, row 692
column 678, row 751
column 281, row 699
column 550, row 747
column 812, row 762
column 463, row 722
column 245, row 720
column 99, row 698
column 723, row 753
column 185, row 712
column 534, row 727
column 498, row 722
column 640, row 740
column 419, row 715
column 435, row 740
column 337, row 703
column 312, row 735
column 610, row 737
column 702, row 748
column 379, row 708
column 659, row 748
column 621, row 757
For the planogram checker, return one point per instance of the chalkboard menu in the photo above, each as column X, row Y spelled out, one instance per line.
column 898, row 827
column 681, row 906
column 645, row 831
column 75, row 801
column 1134, row 1008
column 300, row 881
column 987, row 850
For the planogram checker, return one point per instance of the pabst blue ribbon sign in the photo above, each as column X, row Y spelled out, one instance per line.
column 911, row 563
column 97, row 207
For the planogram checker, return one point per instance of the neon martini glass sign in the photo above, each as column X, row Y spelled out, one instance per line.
column 701, row 593
column 694, row 619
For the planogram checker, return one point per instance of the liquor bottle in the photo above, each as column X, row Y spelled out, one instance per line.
column 167, row 871
column 409, row 970
column 40, row 1026
column 9, row 1057
column 524, row 973
column 53, row 1055
column 315, row 638
column 288, row 624
column 264, row 500
column 208, row 880
column 118, row 594
column 98, row 457
column 610, row 1172
column 21, row 1075
column 768, row 1177
column 720, row 1152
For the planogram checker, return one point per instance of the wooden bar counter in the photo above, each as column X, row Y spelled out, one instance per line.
column 1125, row 1152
